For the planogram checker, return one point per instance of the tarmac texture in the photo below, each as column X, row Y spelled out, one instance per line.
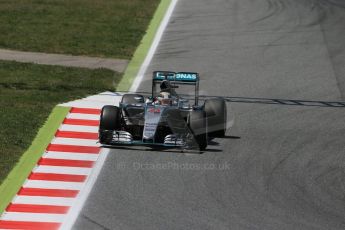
column 281, row 166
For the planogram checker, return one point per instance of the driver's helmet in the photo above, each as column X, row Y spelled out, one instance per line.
column 165, row 85
column 164, row 98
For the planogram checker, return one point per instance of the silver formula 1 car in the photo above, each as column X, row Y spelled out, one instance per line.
column 166, row 118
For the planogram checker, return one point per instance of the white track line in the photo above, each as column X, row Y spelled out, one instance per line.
column 74, row 141
column 53, row 184
column 43, row 200
column 78, row 128
column 83, row 116
column 71, row 156
column 39, row 217
column 153, row 47
column 96, row 101
column 90, row 104
column 62, row 170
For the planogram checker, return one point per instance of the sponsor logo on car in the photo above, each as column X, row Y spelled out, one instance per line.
column 176, row 76
column 154, row 110
column 186, row 76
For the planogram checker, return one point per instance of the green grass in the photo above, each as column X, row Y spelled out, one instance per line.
column 106, row 28
column 29, row 92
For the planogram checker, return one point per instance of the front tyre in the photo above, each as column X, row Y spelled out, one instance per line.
column 216, row 113
column 198, row 126
column 109, row 122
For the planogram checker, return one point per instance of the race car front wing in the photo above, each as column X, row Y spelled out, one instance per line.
column 125, row 138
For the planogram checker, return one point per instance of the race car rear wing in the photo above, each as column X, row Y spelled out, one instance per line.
column 177, row 78
column 183, row 77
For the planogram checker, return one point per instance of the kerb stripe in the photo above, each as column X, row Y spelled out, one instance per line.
column 80, row 135
column 57, row 177
column 72, row 121
column 66, row 163
column 25, row 225
column 73, row 148
column 48, row 192
column 34, row 208
column 85, row 111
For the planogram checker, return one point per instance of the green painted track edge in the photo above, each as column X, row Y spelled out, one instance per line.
column 16, row 178
column 142, row 50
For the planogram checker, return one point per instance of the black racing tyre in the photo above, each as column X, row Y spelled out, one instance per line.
column 110, row 121
column 198, row 126
column 132, row 98
column 216, row 113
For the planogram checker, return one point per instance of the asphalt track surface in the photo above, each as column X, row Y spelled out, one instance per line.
column 282, row 166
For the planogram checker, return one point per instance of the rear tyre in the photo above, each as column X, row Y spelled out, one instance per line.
column 216, row 114
column 197, row 124
column 109, row 122
column 132, row 98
